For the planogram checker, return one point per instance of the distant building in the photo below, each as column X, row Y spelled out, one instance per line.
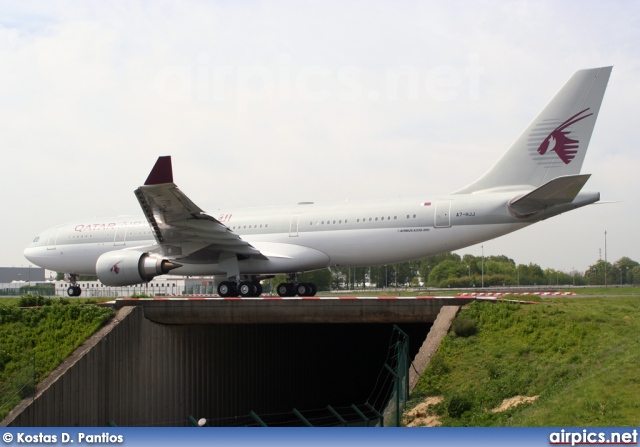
column 161, row 286
column 27, row 274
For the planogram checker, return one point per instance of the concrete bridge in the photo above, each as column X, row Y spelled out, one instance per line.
column 265, row 310
column 160, row 360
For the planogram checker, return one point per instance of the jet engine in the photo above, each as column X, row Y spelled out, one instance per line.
column 126, row 267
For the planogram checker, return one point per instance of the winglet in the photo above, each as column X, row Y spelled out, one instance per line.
column 161, row 172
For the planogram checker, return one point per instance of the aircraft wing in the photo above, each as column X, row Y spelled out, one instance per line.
column 181, row 228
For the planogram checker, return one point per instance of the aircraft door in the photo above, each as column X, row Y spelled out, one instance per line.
column 53, row 237
column 293, row 228
column 443, row 215
column 121, row 236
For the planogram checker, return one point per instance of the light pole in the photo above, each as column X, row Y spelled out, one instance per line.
column 469, row 269
column 395, row 271
column 605, row 259
column 482, row 247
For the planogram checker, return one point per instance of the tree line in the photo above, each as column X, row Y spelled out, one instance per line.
column 452, row 270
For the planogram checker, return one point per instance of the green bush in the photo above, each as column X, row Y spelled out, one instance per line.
column 458, row 404
column 34, row 300
column 140, row 295
column 464, row 327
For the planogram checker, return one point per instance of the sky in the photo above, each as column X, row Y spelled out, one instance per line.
column 274, row 103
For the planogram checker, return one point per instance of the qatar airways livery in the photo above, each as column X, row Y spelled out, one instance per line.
column 536, row 178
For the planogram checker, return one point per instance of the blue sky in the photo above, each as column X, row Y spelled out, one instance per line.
column 281, row 102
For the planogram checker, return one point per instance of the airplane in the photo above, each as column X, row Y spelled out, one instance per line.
column 536, row 178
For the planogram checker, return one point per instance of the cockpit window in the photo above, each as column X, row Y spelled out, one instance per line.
column 36, row 239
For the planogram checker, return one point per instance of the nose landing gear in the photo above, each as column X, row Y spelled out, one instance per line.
column 74, row 289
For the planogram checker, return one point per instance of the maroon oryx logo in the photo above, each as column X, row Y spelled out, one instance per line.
column 559, row 141
column 115, row 269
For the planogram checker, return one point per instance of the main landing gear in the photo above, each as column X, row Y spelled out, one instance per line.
column 287, row 289
column 74, row 289
column 253, row 288
column 244, row 289
column 293, row 287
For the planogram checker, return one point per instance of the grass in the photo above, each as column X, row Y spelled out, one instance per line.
column 63, row 300
column 34, row 341
column 580, row 356
column 606, row 291
column 580, row 291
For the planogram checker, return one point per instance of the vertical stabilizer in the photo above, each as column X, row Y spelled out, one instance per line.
column 555, row 142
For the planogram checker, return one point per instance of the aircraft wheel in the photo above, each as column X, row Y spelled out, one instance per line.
column 247, row 289
column 314, row 289
column 74, row 291
column 303, row 289
column 258, row 289
column 286, row 289
column 227, row 288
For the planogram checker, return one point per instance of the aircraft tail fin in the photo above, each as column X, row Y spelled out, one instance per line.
column 556, row 141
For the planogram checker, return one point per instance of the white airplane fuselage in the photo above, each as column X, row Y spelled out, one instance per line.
column 309, row 236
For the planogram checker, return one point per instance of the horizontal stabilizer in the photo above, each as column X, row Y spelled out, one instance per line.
column 558, row 191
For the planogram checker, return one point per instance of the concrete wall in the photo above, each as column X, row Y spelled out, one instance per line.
column 138, row 373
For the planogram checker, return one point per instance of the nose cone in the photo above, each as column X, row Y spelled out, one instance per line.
column 27, row 254
column 30, row 254
column 36, row 251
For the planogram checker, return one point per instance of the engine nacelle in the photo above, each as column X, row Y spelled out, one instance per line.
column 126, row 267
